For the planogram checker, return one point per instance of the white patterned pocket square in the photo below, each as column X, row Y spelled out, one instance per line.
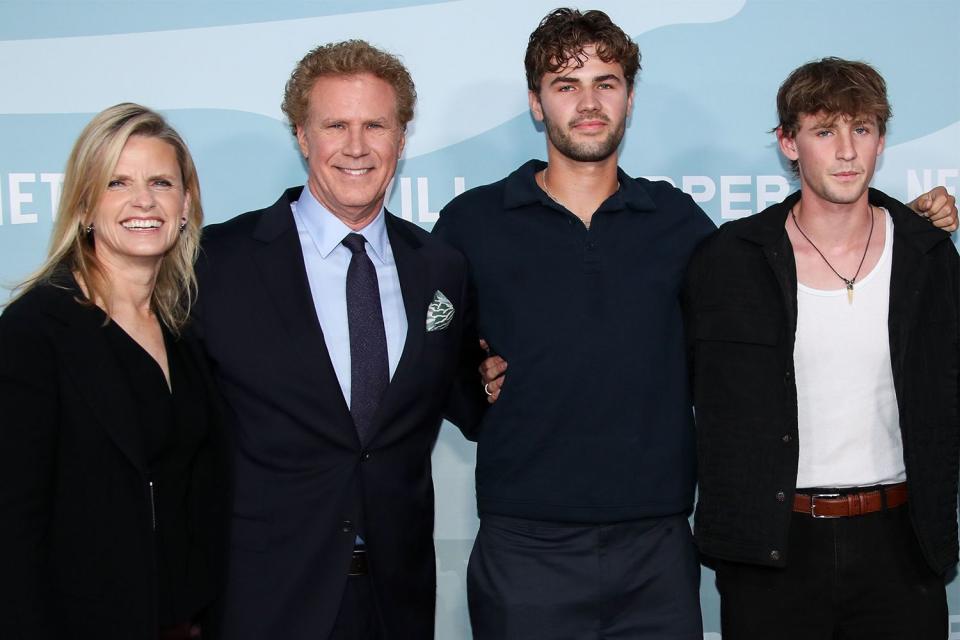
column 439, row 313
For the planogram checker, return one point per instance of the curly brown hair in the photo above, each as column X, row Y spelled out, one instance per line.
column 347, row 58
column 562, row 36
column 833, row 86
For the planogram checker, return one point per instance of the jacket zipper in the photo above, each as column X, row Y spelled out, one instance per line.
column 153, row 507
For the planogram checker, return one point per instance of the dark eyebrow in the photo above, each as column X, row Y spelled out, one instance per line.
column 595, row 79
column 564, row 80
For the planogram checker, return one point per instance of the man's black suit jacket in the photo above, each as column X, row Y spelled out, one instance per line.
column 304, row 486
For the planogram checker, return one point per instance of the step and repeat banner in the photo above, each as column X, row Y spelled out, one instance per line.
column 703, row 110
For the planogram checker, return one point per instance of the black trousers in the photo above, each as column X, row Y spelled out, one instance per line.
column 358, row 618
column 534, row 580
column 856, row 578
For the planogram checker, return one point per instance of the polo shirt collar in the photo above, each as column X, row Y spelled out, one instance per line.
column 327, row 231
column 522, row 189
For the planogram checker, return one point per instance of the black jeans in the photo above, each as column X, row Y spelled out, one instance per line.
column 861, row 577
column 531, row 580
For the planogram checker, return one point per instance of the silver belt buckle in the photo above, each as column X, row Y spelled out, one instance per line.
column 813, row 503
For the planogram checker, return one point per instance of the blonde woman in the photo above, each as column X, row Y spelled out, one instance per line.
column 111, row 454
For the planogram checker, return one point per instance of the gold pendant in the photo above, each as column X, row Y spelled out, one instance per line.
column 849, row 293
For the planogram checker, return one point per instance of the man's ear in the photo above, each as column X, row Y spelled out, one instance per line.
column 787, row 144
column 302, row 141
column 535, row 107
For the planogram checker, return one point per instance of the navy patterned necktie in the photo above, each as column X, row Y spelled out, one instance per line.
column 369, row 369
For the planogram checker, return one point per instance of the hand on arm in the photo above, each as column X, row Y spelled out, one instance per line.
column 492, row 372
column 939, row 207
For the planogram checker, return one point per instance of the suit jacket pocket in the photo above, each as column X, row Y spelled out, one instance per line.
column 737, row 353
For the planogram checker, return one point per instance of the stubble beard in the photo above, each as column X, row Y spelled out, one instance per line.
column 593, row 151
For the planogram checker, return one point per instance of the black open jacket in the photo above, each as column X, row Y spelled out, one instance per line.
column 77, row 540
column 741, row 314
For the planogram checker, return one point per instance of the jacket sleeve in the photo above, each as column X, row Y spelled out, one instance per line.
column 467, row 402
column 28, row 445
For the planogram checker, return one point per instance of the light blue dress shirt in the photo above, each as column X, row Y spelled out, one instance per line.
column 327, row 261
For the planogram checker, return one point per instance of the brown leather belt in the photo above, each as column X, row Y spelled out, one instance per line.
column 358, row 563
column 834, row 505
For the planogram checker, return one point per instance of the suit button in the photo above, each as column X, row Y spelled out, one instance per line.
column 786, row 438
column 365, row 456
column 774, row 555
column 781, row 496
column 347, row 526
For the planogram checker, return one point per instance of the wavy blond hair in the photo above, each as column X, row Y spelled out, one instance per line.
column 89, row 169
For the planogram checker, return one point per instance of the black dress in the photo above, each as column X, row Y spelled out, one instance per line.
column 173, row 421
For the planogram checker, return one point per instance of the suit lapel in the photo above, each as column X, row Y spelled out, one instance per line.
column 280, row 262
column 412, row 272
column 90, row 362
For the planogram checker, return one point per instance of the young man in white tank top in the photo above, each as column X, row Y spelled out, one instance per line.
column 824, row 336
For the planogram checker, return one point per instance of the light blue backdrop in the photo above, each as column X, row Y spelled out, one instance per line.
column 704, row 106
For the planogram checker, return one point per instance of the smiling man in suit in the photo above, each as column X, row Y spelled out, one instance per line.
column 334, row 328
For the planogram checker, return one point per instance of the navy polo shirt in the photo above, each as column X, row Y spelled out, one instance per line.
column 594, row 422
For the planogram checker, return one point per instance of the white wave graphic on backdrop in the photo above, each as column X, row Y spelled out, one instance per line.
column 458, row 53
column 912, row 167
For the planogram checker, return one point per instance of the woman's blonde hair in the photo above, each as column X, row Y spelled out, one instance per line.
column 89, row 169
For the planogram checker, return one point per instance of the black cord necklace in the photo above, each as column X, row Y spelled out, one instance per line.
column 852, row 280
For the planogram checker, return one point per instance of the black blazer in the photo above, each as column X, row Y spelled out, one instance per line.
column 77, row 543
column 304, row 486
column 741, row 314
